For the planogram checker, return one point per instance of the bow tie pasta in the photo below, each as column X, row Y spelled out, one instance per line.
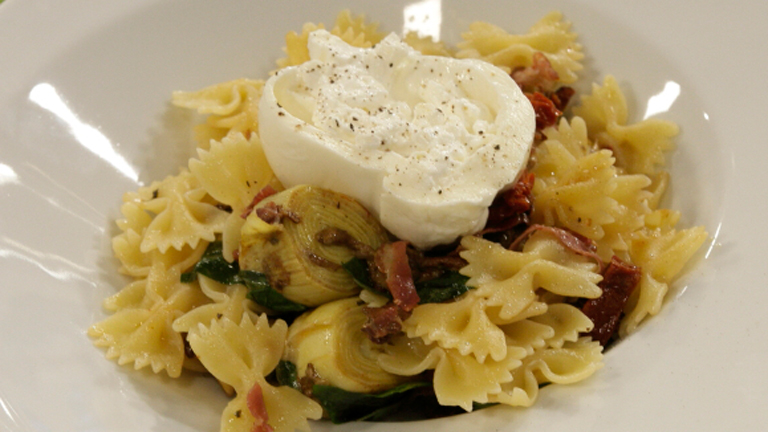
column 302, row 304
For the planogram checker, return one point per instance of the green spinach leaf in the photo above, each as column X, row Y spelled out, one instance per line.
column 358, row 268
column 286, row 375
column 344, row 406
column 443, row 288
column 213, row 265
column 260, row 291
column 407, row 402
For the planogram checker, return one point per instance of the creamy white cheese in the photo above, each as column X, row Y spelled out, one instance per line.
column 424, row 142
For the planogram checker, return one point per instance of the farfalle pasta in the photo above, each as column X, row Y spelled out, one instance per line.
column 140, row 332
column 227, row 301
column 550, row 36
column 602, row 205
column 231, row 107
column 505, row 291
column 489, row 319
column 232, row 171
column 182, row 214
column 662, row 252
column 571, row 363
column 241, row 355
column 639, row 147
column 353, row 30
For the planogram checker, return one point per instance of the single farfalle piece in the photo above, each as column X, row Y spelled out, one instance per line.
column 233, row 171
column 551, row 36
column 242, row 355
column 140, row 332
column 352, row 30
column 221, row 99
column 639, row 148
column 184, row 214
column 231, row 107
column 463, row 325
column 127, row 245
column 237, row 352
column 661, row 253
column 509, row 280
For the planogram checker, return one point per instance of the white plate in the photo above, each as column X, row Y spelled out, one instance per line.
column 84, row 117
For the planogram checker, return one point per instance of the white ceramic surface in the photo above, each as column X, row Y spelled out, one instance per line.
column 84, row 117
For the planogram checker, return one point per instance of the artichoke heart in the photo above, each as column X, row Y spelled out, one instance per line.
column 279, row 239
column 330, row 339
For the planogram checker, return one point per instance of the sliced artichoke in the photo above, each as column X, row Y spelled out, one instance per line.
column 280, row 239
column 330, row 341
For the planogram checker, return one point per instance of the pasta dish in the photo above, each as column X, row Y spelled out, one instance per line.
column 387, row 223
